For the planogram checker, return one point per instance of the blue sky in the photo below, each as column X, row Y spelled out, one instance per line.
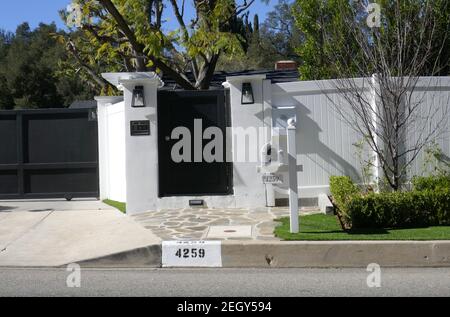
column 13, row 13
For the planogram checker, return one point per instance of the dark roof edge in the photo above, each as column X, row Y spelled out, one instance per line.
column 276, row 76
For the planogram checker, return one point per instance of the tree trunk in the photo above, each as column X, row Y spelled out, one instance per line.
column 140, row 62
column 207, row 73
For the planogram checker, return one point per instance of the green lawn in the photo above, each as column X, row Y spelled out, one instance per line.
column 322, row 227
column 118, row 205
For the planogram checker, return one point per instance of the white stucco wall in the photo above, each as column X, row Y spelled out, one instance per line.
column 111, row 122
column 141, row 151
column 249, row 190
column 325, row 143
column 129, row 164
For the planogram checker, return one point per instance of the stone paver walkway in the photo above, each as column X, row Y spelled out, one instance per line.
column 194, row 224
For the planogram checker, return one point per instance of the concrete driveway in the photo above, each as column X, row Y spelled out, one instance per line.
column 49, row 233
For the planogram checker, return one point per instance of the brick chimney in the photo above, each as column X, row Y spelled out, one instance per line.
column 286, row 65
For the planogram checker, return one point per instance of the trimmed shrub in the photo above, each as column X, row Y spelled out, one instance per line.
column 343, row 189
column 431, row 182
column 390, row 210
column 441, row 200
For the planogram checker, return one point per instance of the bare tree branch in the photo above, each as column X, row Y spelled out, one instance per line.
column 398, row 121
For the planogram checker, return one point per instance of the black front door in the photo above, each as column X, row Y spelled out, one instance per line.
column 192, row 177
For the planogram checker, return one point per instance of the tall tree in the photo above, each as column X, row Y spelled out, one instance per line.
column 29, row 70
column 273, row 40
column 328, row 25
column 280, row 32
column 317, row 19
column 410, row 40
column 131, row 35
column 256, row 25
column 6, row 100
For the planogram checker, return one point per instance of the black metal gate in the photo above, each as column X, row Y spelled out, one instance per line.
column 48, row 154
column 181, row 109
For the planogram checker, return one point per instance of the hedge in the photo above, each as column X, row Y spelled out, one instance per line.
column 343, row 189
column 390, row 210
column 431, row 183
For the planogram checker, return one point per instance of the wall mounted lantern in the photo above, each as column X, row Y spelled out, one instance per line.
column 247, row 94
column 138, row 97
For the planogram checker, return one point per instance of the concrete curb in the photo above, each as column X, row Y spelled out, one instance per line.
column 329, row 254
column 298, row 254
column 146, row 257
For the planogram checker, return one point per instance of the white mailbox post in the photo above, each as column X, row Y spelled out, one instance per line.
column 293, row 183
column 285, row 121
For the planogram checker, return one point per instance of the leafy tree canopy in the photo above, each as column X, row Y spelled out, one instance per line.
column 273, row 40
column 132, row 35
column 331, row 50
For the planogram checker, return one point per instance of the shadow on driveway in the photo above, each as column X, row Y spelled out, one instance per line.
column 7, row 208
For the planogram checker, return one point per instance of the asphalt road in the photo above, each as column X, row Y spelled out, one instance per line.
column 225, row 282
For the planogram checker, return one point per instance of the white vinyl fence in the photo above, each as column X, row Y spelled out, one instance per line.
column 327, row 144
column 433, row 94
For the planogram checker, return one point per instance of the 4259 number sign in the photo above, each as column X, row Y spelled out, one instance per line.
column 190, row 253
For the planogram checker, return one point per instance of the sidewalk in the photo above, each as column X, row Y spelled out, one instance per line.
column 39, row 236
column 100, row 237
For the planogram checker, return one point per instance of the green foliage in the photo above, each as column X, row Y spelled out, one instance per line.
column 389, row 210
column 367, row 164
column 436, row 162
column 326, row 228
column 122, row 207
column 432, row 183
column 273, row 40
column 212, row 35
column 437, row 166
column 28, row 71
column 411, row 18
column 6, row 99
column 427, row 206
column 330, row 48
column 343, row 190
column 133, row 35
column 326, row 33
